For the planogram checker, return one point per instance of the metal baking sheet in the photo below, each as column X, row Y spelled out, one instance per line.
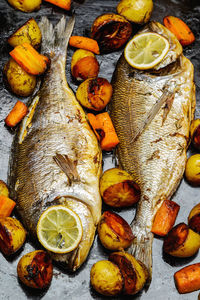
column 77, row 285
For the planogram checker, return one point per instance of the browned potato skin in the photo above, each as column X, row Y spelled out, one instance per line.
column 18, row 81
column 35, row 269
column 194, row 218
column 4, row 189
column 111, row 31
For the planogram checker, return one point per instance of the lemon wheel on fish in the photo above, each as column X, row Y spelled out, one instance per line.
column 146, row 50
column 59, row 229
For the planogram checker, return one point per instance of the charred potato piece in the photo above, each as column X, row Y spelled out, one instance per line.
column 84, row 65
column 111, row 31
column 106, row 278
column 18, row 81
column 114, row 232
column 181, row 241
column 133, row 271
column 12, row 235
column 195, row 133
column 35, row 269
column 118, row 189
column 194, row 218
column 26, row 5
column 94, row 93
column 4, row 189
column 27, row 33
column 192, row 170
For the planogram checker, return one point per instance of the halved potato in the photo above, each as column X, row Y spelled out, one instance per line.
column 194, row 218
column 26, row 5
column 4, row 189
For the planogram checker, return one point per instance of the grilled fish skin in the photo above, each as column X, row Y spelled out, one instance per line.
column 153, row 137
column 56, row 158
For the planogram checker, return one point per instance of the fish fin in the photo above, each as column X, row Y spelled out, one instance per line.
column 68, row 166
column 55, row 40
column 141, row 247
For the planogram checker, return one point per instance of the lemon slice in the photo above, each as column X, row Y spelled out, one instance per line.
column 146, row 50
column 59, row 229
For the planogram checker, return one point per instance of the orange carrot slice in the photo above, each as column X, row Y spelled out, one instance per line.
column 16, row 114
column 84, row 43
column 65, row 4
column 188, row 279
column 6, row 206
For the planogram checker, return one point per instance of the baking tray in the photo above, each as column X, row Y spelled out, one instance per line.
column 77, row 286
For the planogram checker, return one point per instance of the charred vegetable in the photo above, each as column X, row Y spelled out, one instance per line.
column 188, row 279
column 27, row 33
column 4, row 189
column 195, row 133
column 181, row 241
column 18, row 80
column 194, row 218
column 192, row 170
column 111, row 32
column 35, row 269
column 26, row 5
column 106, row 278
column 114, row 232
column 84, row 65
column 137, row 11
column 94, row 93
column 118, row 189
column 133, row 271
column 12, row 235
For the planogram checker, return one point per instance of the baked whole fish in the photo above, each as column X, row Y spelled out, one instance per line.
column 151, row 111
column 55, row 155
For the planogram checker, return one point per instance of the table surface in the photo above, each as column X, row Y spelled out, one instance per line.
column 77, row 285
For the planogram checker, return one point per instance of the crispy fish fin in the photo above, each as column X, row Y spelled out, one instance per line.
column 68, row 166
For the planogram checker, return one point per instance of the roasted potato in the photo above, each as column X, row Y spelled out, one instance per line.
column 134, row 272
column 84, row 65
column 4, row 189
column 114, row 232
column 18, row 81
column 106, row 278
column 192, row 170
column 111, row 31
column 12, row 235
column 181, row 241
column 194, row 218
column 35, row 269
column 26, row 5
column 118, row 189
column 195, row 133
column 137, row 11
column 94, row 93
column 27, row 33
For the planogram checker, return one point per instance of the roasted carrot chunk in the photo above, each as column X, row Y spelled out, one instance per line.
column 16, row 114
column 65, row 4
column 188, row 279
column 6, row 206
column 165, row 218
column 84, row 43
column 29, row 59
column 104, row 130
column 179, row 29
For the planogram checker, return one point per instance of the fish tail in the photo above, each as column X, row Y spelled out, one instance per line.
column 141, row 247
column 55, row 39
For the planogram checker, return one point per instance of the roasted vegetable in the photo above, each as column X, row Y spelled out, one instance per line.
column 114, row 232
column 192, row 170
column 35, row 269
column 104, row 130
column 118, row 189
column 179, row 29
column 84, row 65
column 106, row 278
column 94, row 93
column 195, row 133
column 194, row 218
column 26, row 5
column 188, row 279
column 111, row 32
column 12, row 235
column 133, row 271
column 84, row 43
column 6, row 206
column 18, row 80
column 4, row 189
column 137, row 11
column 65, row 4
column 165, row 218
column 16, row 114
column 27, row 33
column 181, row 241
